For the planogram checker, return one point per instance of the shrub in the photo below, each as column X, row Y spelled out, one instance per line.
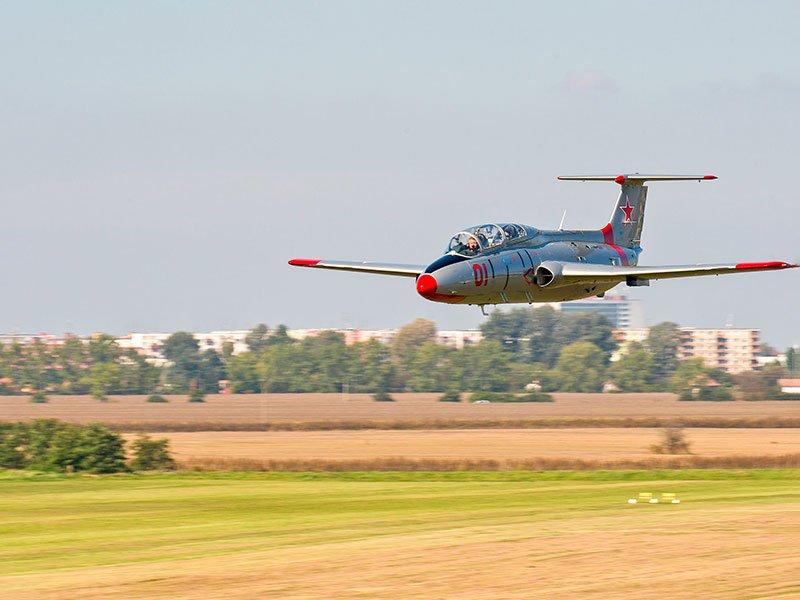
column 151, row 455
column 38, row 397
column 673, row 442
column 11, row 457
column 100, row 450
column 533, row 396
column 156, row 398
column 49, row 445
column 37, row 438
column 491, row 397
column 382, row 396
column 759, row 385
column 450, row 397
column 197, row 395
column 715, row 394
column 707, row 394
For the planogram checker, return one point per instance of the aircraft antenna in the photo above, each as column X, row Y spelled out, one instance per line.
column 563, row 218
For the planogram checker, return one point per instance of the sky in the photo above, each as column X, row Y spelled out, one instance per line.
column 161, row 161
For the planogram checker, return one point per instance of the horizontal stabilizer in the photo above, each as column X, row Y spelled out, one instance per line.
column 360, row 267
column 636, row 178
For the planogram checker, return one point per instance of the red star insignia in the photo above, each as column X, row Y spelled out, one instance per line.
column 530, row 275
column 627, row 209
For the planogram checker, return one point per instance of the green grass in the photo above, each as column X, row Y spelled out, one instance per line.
column 59, row 522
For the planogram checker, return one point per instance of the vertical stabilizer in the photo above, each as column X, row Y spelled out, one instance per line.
column 624, row 228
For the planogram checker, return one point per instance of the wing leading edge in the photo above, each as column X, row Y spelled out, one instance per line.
column 360, row 267
column 582, row 271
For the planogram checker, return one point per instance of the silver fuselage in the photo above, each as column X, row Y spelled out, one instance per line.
column 508, row 274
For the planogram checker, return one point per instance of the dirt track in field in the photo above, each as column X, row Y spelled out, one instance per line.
column 277, row 408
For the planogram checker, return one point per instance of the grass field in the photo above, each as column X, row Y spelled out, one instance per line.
column 391, row 535
column 325, row 411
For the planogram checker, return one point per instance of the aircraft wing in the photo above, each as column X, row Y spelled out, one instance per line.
column 580, row 271
column 360, row 267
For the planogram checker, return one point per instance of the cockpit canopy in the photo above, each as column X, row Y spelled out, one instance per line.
column 475, row 240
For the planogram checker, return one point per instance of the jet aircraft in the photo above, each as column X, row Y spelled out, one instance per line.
column 506, row 263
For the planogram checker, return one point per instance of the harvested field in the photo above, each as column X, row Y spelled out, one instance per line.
column 327, row 411
column 400, row 535
column 476, row 449
column 608, row 443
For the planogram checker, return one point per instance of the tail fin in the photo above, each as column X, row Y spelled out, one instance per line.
column 625, row 226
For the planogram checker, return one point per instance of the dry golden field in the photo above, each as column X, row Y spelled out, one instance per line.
column 478, row 449
column 219, row 412
column 499, row 444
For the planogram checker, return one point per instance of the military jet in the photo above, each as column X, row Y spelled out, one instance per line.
column 507, row 263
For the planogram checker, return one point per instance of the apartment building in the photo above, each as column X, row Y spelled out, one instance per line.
column 732, row 350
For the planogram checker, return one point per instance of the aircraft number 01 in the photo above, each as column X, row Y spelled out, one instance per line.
column 481, row 274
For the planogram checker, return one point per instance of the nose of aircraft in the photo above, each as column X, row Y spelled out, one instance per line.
column 426, row 286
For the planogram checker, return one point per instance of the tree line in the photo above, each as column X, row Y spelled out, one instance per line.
column 522, row 349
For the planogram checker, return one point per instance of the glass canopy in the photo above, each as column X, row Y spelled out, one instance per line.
column 482, row 238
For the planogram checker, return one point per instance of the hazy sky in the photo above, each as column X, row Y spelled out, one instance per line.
column 160, row 161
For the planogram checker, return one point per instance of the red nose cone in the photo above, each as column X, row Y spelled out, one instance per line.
column 426, row 285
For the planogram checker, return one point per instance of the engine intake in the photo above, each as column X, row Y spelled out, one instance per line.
column 549, row 274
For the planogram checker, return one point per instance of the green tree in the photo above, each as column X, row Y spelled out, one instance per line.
column 483, row 367
column 663, row 342
column 183, row 352
column 760, row 385
column 792, row 361
column 257, row 337
column 544, row 343
column 103, row 349
column 586, row 327
column 580, row 368
column 430, row 369
column 227, row 351
column 104, row 379
column 372, row 369
column 151, row 455
column 411, row 337
column 210, row 370
column 279, row 336
column 137, row 376
column 279, row 369
column 512, row 330
column 243, row 373
column 35, row 440
column 103, row 450
column 689, row 374
column 11, row 442
column 52, row 445
column 317, row 364
column 634, row 371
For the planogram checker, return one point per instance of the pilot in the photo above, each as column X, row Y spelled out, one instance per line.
column 472, row 245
